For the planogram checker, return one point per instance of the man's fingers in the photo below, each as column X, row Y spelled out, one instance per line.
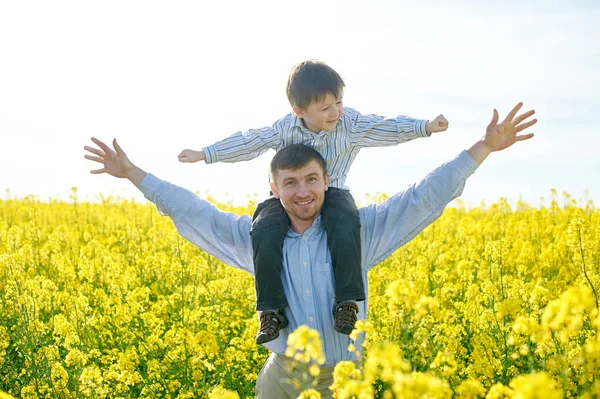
column 524, row 126
column 100, row 144
column 118, row 148
column 94, row 151
column 94, row 158
column 524, row 137
column 98, row 171
column 522, row 117
column 513, row 112
column 494, row 120
column 182, row 154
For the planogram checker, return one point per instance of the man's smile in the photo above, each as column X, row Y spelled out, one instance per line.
column 304, row 203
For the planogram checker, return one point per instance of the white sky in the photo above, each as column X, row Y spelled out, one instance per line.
column 164, row 76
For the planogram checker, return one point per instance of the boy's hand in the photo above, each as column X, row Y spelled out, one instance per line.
column 500, row 136
column 439, row 124
column 191, row 156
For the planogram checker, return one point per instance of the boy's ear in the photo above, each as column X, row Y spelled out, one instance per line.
column 274, row 190
column 298, row 111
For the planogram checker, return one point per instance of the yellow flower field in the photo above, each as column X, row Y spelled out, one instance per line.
column 106, row 300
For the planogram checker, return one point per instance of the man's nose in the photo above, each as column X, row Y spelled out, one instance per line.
column 302, row 190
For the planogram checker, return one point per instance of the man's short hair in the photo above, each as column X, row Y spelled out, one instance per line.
column 311, row 81
column 294, row 157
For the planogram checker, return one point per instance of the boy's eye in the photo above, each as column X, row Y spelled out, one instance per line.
column 325, row 109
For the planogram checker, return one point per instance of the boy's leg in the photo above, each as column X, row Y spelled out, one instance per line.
column 341, row 220
column 270, row 224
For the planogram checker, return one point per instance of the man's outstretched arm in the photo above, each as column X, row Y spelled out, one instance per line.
column 224, row 235
column 398, row 220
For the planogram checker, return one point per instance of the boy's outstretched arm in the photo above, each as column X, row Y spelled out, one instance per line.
column 237, row 147
column 369, row 130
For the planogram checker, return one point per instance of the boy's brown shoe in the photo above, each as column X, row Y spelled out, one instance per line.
column 270, row 324
column 345, row 316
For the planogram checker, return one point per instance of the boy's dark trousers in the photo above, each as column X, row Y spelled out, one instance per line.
column 341, row 221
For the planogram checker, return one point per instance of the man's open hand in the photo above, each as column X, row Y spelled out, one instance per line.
column 500, row 136
column 115, row 161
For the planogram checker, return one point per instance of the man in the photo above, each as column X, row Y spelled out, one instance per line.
column 299, row 180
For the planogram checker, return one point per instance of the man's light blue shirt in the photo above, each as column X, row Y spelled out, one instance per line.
column 307, row 274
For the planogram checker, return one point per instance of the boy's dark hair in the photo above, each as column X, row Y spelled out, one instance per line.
column 311, row 81
column 296, row 156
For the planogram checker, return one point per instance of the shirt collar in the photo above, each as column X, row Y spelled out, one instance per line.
column 308, row 233
column 297, row 121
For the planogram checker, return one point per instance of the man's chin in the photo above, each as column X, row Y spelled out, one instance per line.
column 306, row 214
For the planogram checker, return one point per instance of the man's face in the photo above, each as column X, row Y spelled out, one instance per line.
column 323, row 114
column 301, row 191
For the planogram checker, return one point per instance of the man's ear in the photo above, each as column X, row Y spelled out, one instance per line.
column 327, row 178
column 299, row 112
column 274, row 191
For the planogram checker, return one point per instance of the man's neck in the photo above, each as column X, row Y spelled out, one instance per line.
column 300, row 226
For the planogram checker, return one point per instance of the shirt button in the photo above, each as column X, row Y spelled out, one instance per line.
column 305, row 263
column 311, row 319
column 307, row 292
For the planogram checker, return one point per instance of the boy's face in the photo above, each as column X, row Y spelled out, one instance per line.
column 323, row 114
column 301, row 191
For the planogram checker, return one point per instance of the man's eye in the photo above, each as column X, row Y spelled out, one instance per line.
column 290, row 183
column 312, row 179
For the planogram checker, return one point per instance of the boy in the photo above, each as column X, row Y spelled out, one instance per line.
column 319, row 120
